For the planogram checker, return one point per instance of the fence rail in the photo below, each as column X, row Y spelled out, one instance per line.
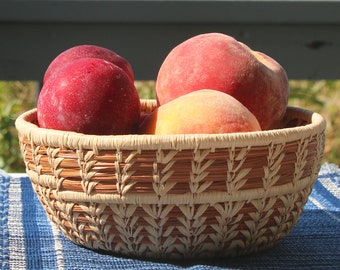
column 304, row 36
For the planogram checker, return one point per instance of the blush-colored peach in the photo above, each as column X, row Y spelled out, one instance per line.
column 218, row 61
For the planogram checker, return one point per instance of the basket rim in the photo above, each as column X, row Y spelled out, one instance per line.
column 74, row 140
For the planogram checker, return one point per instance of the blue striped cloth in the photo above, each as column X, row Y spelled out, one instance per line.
column 29, row 241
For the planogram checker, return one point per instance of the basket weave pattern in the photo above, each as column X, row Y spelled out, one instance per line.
column 175, row 196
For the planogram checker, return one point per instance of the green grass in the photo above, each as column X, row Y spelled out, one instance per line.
column 322, row 97
column 16, row 97
column 146, row 89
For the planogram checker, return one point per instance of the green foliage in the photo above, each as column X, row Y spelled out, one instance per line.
column 307, row 91
column 15, row 97
column 146, row 89
column 322, row 97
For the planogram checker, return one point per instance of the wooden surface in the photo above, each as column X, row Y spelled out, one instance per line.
column 304, row 36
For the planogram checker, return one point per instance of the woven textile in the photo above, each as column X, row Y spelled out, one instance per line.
column 29, row 241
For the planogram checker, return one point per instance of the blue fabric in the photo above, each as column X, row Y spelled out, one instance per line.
column 29, row 241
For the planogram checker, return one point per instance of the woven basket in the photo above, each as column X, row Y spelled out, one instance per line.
column 179, row 195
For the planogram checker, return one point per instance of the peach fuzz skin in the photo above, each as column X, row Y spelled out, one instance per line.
column 87, row 51
column 218, row 61
column 91, row 96
column 201, row 112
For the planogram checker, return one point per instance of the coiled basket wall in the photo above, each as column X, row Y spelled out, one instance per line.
column 180, row 196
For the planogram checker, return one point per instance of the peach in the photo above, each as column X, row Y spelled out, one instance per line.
column 92, row 96
column 218, row 61
column 203, row 111
column 87, row 51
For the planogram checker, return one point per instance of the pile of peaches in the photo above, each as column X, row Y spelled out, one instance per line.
column 210, row 83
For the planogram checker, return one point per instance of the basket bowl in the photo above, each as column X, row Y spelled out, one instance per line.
column 178, row 196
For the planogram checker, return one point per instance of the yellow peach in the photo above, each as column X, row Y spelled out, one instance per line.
column 203, row 111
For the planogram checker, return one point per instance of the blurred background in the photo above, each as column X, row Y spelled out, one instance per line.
column 16, row 97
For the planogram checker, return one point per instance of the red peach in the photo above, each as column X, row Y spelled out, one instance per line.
column 92, row 96
column 87, row 51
